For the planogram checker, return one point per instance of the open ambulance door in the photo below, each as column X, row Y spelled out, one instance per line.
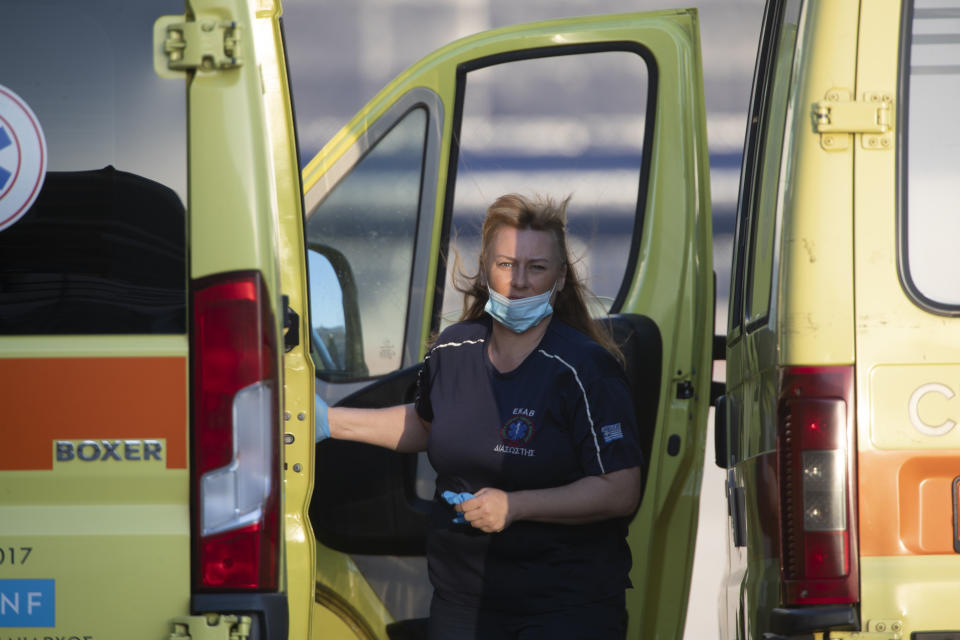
column 606, row 109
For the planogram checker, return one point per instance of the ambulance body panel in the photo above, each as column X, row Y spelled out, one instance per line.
column 837, row 420
column 94, row 356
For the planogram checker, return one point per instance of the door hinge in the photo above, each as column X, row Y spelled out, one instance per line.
column 866, row 635
column 212, row 626
column 838, row 116
column 202, row 44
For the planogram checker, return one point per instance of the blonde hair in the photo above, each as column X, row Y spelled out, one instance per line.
column 539, row 214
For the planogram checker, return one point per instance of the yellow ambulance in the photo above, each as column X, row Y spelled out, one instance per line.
column 174, row 292
column 837, row 428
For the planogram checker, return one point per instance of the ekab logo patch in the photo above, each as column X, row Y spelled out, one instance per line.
column 517, row 431
column 514, row 434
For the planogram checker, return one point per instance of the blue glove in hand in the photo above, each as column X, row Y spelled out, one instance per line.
column 322, row 427
column 457, row 498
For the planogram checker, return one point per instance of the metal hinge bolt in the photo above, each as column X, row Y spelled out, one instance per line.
column 208, row 45
column 838, row 116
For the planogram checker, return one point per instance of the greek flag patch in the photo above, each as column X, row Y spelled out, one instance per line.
column 611, row 432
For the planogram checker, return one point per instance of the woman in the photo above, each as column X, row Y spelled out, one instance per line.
column 527, row 418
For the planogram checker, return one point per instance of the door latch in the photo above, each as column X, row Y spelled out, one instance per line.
column 291, row 326
column 684, row 390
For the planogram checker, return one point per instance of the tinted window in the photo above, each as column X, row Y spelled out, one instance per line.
column 757, row 203
column 767, row 200
column 930, row 163
column 102, row 249
column 557, row 126
column 365, row 231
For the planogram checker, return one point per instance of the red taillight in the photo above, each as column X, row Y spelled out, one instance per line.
column 816, row 446
column 236, row 439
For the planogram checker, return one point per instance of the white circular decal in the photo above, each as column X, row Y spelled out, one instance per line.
column 23, row 157
column 913, row 408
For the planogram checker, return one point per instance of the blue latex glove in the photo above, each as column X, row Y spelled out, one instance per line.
column 322, row 427
column 457, row 498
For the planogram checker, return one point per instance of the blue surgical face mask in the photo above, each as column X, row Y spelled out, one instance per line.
column 519, row 315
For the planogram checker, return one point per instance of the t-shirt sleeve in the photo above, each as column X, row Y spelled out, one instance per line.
column 422, row 400
column 605, row 425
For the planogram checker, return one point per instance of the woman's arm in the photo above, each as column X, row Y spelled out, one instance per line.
column 399, row 428
column 586, row 500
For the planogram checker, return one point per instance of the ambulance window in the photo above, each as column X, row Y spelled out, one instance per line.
column 564, row 125
column 757, row 206
column 365, row 229
column 929, row 162
column 762, row 250
column 101, row 250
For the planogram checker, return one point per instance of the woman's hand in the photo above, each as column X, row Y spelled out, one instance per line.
column 590, row 499
column 321, row 423
column 489, row 510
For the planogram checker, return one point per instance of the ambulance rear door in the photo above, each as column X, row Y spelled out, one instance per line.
column 907, row 317
column 94, row 488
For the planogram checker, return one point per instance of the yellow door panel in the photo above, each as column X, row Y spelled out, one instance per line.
column 668, row 278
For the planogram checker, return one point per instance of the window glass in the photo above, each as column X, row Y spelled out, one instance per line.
column 557, row 126
column 361, row 241
column 930, row 225
column 102, row 248
column 758, row 169
column 761, row 261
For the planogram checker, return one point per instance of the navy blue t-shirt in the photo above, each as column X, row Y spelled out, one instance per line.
column 563, row 414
